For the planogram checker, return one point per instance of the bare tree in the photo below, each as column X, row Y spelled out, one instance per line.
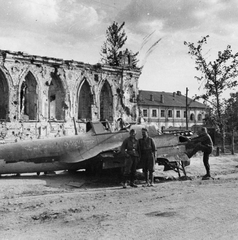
column 217, row 76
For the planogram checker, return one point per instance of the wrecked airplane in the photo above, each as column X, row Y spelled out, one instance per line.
column 98, row 146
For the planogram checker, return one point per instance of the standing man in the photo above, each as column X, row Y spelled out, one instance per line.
column 147, row 149
column 130, row 148
column 202, row 143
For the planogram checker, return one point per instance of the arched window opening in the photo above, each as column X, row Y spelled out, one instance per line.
column 106, row 103
column 192, row 118
column 4, row 97
column 28, row 98
column 56, row 98
column 199, row 117
column 84, row 102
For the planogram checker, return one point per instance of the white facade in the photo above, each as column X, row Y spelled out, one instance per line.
column 170, row 113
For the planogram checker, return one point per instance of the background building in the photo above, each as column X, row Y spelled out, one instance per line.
column 168, row 110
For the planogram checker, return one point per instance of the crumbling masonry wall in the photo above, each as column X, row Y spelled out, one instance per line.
column 42, row 97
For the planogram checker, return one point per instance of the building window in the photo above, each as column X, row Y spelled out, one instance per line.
column 170, row 113
column 192, row 117
column 56, row 97
column 84, row 102
column 162, row 128
column 199, row 117
column 184, row 114
column 178, row 114
column 154, row 113
column 145, row 113
column 29, row 98
column 106, row 102
column 96, row 78
column 4, row 96
column 162, row 113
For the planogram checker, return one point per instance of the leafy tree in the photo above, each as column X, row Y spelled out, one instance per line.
column 217, row 76
column 231, row 114
column 115, row 40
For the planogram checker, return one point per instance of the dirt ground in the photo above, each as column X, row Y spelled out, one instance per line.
column 64, row 206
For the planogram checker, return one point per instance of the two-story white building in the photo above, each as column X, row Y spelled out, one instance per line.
column 170, row 110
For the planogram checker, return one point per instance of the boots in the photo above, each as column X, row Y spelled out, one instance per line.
column 146, row 179
column 151, row 176
column 124, row 181
column 150, row 182
column 207, row 176
column 132, row 184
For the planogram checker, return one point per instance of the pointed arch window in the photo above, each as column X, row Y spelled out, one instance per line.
column 56, row 99
column 4, row 97
column 106, row 102
column 84, row 102
column 28, row 98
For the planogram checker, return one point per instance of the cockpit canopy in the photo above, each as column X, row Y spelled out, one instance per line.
column 98, row 127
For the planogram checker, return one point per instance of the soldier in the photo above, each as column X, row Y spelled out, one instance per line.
column 147, row 150
column 130, row 148
column 202, row 143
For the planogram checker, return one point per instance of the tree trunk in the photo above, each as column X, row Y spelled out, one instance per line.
column 232, row 143
column 223, row 141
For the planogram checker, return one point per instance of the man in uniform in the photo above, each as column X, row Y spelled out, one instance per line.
column 130, row 148
column 202, row 143
column 147, row 150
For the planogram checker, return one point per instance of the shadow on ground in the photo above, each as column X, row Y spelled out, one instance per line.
column 64, row 180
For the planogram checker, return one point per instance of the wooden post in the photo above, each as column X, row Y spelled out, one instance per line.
column 218, row 151
column 186, row 108
column 75, row 127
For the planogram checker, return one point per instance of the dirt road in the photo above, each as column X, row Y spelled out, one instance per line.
column 67, row 206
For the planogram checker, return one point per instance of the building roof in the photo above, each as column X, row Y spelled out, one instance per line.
column 168, row 99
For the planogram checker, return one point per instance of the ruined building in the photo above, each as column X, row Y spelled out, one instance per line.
column 47, row 97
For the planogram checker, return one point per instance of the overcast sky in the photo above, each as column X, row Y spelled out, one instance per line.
column 76, row 29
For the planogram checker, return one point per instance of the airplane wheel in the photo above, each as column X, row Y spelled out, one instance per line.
column 72, row 171
column 94, row 169
column 90, row 170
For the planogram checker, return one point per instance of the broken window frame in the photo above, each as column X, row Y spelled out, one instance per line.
column 58, row 92
column 85, row 114
column 5, row 96
column 28, row 112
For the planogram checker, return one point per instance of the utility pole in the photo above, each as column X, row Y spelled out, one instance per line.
column 186, row 108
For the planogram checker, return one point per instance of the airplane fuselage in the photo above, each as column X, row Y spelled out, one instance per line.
column 76, row 152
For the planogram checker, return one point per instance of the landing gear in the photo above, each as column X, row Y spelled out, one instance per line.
column 94, row 169
column 177, row 166
column 70, row 171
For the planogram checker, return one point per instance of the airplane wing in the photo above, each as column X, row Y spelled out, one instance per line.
column 93, row 147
